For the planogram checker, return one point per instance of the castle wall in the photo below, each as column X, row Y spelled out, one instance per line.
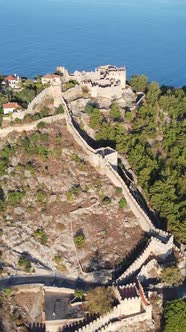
column 53, row 92
column 104, row 323
column 111, row 92
column 125, row 323
column 155, row 248
column 105, row 167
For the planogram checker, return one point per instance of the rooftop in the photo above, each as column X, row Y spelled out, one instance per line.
column 50, row 76
column 10, row 78
column 11, row 105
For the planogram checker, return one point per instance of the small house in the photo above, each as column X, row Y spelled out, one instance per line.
column 51, row 79
column 11, row 107
column 12, row 81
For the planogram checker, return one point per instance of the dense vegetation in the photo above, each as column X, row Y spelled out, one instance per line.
column 27, row 92
column 175, row 316
column 171, row 276
column 152, row 138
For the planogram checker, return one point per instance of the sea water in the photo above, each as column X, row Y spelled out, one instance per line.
column 147, row 36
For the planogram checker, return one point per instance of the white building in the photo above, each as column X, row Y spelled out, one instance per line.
column 11, row 107
column 51, row 79
column 12, row 81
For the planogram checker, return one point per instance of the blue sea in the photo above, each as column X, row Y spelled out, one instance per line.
column 147, row 36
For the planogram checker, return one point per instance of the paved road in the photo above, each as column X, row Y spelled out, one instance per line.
column 47, row 280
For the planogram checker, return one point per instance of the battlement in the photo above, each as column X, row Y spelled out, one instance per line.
column 154, row 248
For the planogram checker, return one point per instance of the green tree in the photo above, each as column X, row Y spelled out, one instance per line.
column 153, row 93
column 99, row 300
column 24, row 262
column 138, row 83
column 171, row 276
column 95, row 118
column 115, row 112
column 175, row 316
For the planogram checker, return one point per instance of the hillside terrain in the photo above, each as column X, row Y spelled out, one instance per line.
column 150, row 139
column 51, row 199
column 58, row 214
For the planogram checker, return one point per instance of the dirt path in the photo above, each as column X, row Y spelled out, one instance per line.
column 27, row 127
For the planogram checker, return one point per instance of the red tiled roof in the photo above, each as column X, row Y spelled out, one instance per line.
column 140, row 291
column 10, row 78
column 11, row 105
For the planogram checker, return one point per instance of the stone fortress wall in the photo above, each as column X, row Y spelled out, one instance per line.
column 138, row 309
column 105, row 160
column 50, row 92
column 155, row 248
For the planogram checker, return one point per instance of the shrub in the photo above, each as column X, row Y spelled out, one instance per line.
column 122, row 203
column 41, row 196
column 6, row 292
column 17, row 120
column 24, row 262
column 30, row 167
column 41, row 124
column 34, row 138
column 25, row 143
column 99, row 300
column 78, row 294
column 15, row 197
column 79, row 240
column 75, row 158
column 40, row 235
column 59, row 110
column 118, row 190
column 44, row 112
column 128, row 116
column 36, row 117
column 69, row 85
column 74, row 190
column 27, row 118
column 58, row 261
column 171, row 276
column 44, row 137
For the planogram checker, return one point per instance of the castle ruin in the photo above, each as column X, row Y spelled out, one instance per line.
column 106, row 81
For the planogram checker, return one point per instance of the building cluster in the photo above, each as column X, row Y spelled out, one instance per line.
column 106, row 81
